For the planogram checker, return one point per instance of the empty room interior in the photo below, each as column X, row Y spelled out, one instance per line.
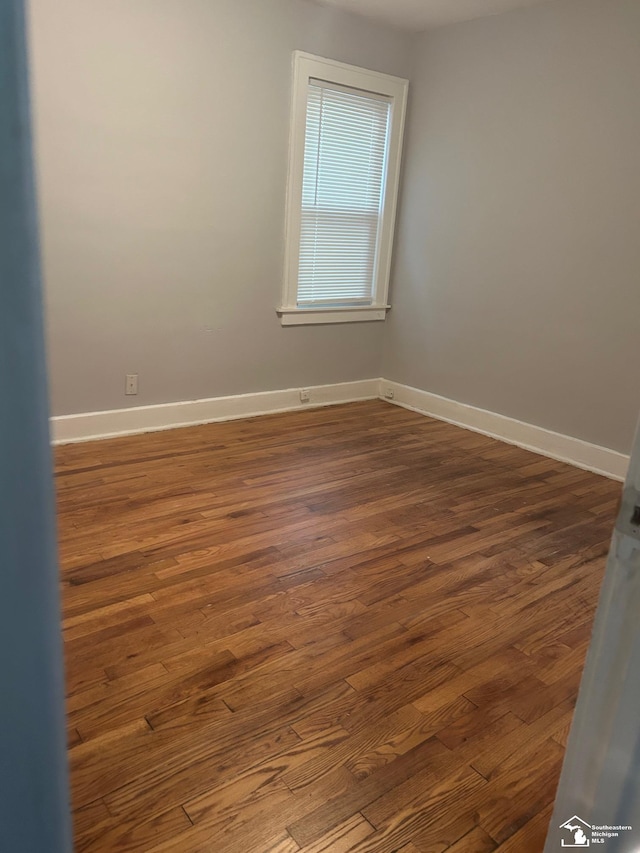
column 341, row 301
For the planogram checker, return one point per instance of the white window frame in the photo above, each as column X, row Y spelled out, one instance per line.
column 308, row 67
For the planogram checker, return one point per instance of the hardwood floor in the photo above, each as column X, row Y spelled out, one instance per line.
column 347, row 629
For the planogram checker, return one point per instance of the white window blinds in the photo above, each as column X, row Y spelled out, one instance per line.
column 345, row 163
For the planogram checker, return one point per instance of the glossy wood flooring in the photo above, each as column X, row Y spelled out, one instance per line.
column 348, row 629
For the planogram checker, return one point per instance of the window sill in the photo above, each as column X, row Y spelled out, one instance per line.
column 318, row 316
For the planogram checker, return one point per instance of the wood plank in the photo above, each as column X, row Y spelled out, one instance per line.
column 344, row 629
column 344, row 837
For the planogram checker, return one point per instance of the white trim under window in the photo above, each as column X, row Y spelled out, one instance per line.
column 344, row 168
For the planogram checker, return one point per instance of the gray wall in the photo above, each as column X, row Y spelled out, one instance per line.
column 34, row 805
column 517, row 285
column 162, row 137
column 162, row 130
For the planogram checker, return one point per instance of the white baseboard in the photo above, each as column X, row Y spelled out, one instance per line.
column 89, row 426
column 576, row 452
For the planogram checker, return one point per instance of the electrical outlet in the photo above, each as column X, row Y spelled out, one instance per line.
column 305, row 395
column 388, row 393
column 131, row 387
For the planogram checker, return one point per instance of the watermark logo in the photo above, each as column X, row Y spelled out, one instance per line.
column 575, row 832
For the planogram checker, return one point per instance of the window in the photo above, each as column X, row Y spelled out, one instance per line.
column 346, row 141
